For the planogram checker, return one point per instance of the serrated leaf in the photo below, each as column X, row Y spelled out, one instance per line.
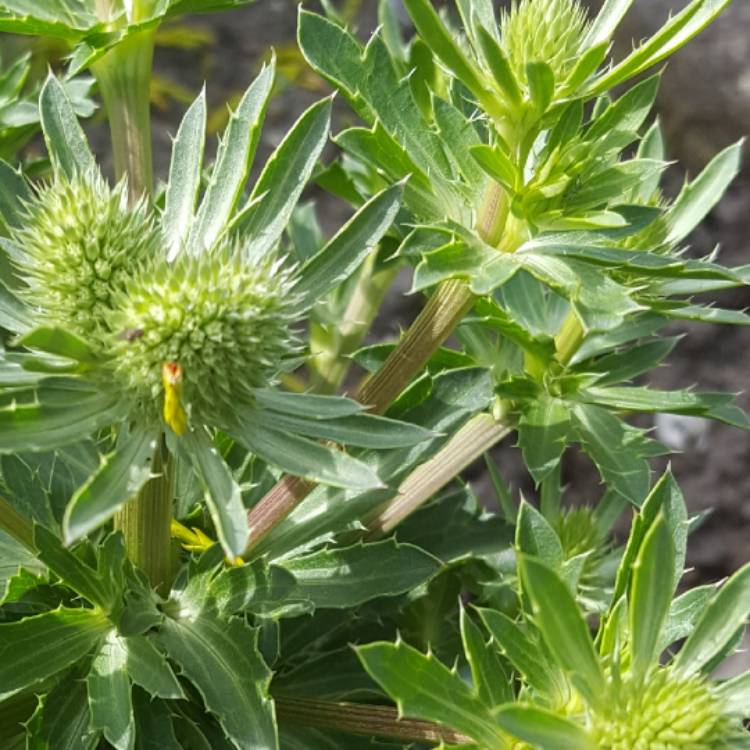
column 66, row 142
column 347, row 250
column 491, row 682
column 342, row 578
column 74, row 572
column 426, row 689
column 684, row 612
column 726, row 613
column 184, row 176
column 651, row 595
column 302, row 457
column 223, row 495
column 698, row 197
column 283, row 178
column 233, row 162
column 153, row 723
column 120, row 476
column 38, row 647
column 148, row 668
column 109, row 693
column 362, row 430
column 221, row 658
column 565, row 631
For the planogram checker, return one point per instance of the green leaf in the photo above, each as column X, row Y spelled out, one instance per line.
column 74, row 572
column 522, row 652
column 565, row 631
column 148, row 668
column 15, row 558
column 223, row 495
column 544, row 729
column 684, row 614
column 110, row 699
column 424, row 688
column 498, row 65
column 726, row 613
column 607, row 440
column 154, row 729
column 363, row 430
column 717, row 406
column 606, row 22
column 283, row 178
column 628, row 113
column 432, row 31
column 651, row 595
column 535, row 536
column 120, row 476
column 38, row 647
column 544, row 430
column 184, row 176
column 233, row 162
column 221, row 658
column 62, row 413
column 66, row 142
column 342, row 578
column 496, row 163
column 541, row 84
column 491, row 682
column 59, row 341
column 347, row 250
column 678, row 30
column 698, row 197
column 14, row 189
column 14, row 315
column 302, row 457
column 62, row 19
column 307, row 405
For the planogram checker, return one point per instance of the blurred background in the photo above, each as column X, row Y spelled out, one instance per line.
column 704, row 105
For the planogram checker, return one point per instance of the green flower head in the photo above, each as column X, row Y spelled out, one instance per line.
column 78, row 246
column 225, row 322
column 666, row 712
column 548, row 31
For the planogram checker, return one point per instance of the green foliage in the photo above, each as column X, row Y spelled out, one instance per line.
column 180, row 356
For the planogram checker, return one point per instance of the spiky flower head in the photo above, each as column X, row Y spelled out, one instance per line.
column 665, row 712
column 549, row 31
column 79, row 244
column 222, row 324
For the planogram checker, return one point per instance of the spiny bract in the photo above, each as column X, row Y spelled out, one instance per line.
column 78, row 246
column 664, row 713
column 225, row 321
column 548, row 31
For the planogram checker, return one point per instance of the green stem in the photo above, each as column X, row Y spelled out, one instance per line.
column 124, row 77
column 16, row 524
column 146, row 520
column 332, row 363
column 364, row 720
column 568, row 340
column 480, row 433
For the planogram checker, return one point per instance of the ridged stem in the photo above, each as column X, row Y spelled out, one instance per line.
column 364, row 720
column 124, row 77
column 146, row 520
column 480, row 433
column 16, row 524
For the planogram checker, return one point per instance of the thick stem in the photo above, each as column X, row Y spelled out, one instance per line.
column 16, row 524
column 146, row 520
column 124, row 77
column 568, row 340
column 442, row 313
column 332, row 363
column 364, row 720
column 480, row 433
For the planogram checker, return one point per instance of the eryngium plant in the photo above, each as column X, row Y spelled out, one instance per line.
column 543, row 681
column 180, row 321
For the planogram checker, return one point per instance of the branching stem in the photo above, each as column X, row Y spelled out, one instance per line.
column 364, row 720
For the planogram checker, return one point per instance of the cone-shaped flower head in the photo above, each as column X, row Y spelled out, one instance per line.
column 202, row 331
column 665, row 712
column 79, row 244
column 548, row 31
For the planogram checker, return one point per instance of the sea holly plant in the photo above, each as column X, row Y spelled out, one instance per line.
column 210, row 539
